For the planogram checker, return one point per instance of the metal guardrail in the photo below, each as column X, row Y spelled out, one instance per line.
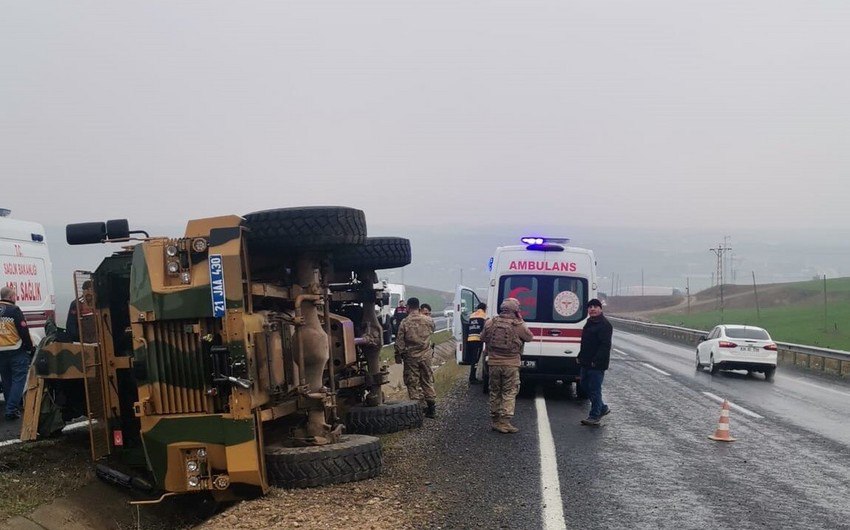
column 833, row 362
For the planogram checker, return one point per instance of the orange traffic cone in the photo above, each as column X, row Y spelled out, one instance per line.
column 722, row 433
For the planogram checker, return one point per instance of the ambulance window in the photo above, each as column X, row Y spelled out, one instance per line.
column 524, row 289
column 568, row 299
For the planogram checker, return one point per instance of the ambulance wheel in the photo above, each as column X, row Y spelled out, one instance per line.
column 308, row 228
column 376, row 253
column 580, row 393
column 355, row 457
column 383, row 419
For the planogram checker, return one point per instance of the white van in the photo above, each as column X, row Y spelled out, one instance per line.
column 25, row 265
column 553, row 283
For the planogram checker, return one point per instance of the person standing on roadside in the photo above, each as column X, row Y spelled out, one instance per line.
column 473, row 341
column 593, row 359
column 413, row 348
column 15, row 349
column 81, row 307
column 505, row 336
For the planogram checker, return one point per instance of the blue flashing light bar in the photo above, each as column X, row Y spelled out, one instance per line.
column 535, row 240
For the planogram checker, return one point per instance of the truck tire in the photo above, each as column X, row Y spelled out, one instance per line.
column 384, row 419
column 375, row 253
column 311, row 227
column 355, row 457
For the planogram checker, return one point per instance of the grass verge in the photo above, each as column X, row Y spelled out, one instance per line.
column 796, row 324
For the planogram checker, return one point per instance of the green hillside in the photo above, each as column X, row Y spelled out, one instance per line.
column 790, row 312
column 438, row 300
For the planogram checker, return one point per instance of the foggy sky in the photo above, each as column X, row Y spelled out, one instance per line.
column 713, row 115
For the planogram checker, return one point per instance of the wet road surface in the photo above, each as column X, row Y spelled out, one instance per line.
column 651, row 464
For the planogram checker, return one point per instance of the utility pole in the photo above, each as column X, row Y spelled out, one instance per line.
column 720, row 253
column 461, row 275
column 824, row 304
column 612, row 284
column 688, row 293
column 642, row 292
column 756, row 293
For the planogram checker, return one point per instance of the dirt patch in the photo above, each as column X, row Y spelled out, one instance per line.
column 34, row 473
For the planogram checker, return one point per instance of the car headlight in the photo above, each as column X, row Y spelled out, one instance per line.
column 171, row 251
column 172, row 267
column 194, row 482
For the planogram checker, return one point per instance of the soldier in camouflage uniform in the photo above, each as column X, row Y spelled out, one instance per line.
column 505, row 336
column 413, row 347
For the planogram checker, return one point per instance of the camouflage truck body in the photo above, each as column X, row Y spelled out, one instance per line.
column 205, row 354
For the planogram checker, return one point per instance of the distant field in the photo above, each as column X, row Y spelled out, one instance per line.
column 438, row 300
column 797, row 314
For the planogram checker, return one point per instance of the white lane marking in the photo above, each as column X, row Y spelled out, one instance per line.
column 839, row 392
column 739, row 408
column 662, row 372
column 553, row 504
column 621, row 352
column 10, row 442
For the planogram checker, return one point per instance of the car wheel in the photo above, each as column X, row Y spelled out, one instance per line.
column 769, row 373
column 712, row 368
column 698, row 364
column 581, row 395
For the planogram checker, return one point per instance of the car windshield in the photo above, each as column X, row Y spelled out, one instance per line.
column 747, row 333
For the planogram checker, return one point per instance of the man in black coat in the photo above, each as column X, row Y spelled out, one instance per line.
column 593, row 359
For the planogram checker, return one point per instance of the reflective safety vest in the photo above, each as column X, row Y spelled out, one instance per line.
column 10, row 339
column 476, row 325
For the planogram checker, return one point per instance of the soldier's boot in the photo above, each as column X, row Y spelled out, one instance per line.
column 431, row 409
column 498, row 425
column 506, row 423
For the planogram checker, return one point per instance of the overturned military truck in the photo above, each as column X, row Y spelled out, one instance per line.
column 229, row 359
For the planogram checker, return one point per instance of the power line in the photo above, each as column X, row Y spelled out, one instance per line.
column 720, row 253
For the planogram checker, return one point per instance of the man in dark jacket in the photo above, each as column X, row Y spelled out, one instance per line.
column 593, row 359
column 15, row 349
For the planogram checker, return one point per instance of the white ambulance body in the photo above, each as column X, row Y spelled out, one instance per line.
column 553, row 283
column 25, row 265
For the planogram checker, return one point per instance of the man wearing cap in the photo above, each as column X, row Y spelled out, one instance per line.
column 593, row 359
column 413, row 348
column 505, row 336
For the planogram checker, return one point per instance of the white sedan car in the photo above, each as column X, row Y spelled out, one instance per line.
column 730, row 347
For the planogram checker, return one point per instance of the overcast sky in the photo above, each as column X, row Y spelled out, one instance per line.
column 705, row 115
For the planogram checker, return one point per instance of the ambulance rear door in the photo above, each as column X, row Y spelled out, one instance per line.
column 465, row 302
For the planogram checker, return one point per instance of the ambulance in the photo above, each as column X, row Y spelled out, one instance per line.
column 25, row 265
column 553, row 282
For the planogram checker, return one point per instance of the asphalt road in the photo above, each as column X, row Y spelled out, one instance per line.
column 651, row 464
